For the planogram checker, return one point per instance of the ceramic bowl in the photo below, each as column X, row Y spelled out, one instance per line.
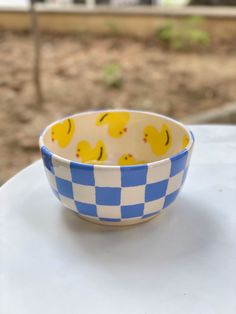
column 116, row 167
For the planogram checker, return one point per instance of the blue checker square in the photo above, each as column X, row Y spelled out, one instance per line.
column 170, row 198
column 151, row 214
column 154, row 191
column 64, row 187
column 185, row 174
column 133, row 176
column 178, row 163
column 86, row 209
column 132, row 211
column 47, row 158
column 108, row 196
column 82, row 174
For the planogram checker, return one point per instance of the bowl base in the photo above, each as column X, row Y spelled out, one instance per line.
column 119, row 223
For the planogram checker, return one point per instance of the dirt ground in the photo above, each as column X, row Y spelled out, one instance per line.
column 153, row 78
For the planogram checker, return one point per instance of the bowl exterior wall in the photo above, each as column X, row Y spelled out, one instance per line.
column 116, row 195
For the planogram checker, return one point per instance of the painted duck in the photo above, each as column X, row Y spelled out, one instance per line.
column 63, row 132
column 116, row 122
column 160, row 141
column 90, row 154
column 129, row 160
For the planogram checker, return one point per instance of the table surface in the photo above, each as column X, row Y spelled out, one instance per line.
column 183, row 261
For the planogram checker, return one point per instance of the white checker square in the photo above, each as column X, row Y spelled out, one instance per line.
column 60, row 170
column 132, row 195
column 109, row 211
column 154, row 206
column 51, row 178
column 84, row 193
column 107, row 178
column 68, row 202
column 160, row 173
column 175, row 182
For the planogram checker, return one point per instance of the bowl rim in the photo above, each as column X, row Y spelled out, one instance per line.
column 180, row 154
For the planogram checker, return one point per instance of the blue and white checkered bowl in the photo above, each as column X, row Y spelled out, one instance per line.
column 116, row 167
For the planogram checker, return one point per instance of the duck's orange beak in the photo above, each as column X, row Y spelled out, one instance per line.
column 125, row 129
column 52, row 139
column 145, row 140
column 130, row 155
column 77, row 155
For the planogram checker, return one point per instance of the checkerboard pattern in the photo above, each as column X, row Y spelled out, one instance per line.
column 116, row 194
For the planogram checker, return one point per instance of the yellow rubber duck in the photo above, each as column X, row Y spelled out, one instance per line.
column 62, row 132
column 185, row 141
column 160, row 141
column 116, row 121
column 91, row 155
column 129, row 160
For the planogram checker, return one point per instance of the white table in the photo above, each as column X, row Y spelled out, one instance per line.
column 184, row 261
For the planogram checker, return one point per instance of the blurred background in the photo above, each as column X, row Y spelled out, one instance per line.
column 58, row 57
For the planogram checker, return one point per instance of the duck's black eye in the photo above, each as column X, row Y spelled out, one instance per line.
column 126, row 158
column 53, row 133
column 121, row 132
column 146, row 135
column 78, row 150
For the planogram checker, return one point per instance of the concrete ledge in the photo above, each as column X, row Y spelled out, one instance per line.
column 135, row 21
column 224, row 114
column 204, row 11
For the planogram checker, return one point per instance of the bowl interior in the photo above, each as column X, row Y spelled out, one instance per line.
column 116, row 137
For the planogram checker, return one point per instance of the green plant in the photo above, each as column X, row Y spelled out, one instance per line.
column 195, row 20
column 181, row 35
column 112, row 75
column 113, row 28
